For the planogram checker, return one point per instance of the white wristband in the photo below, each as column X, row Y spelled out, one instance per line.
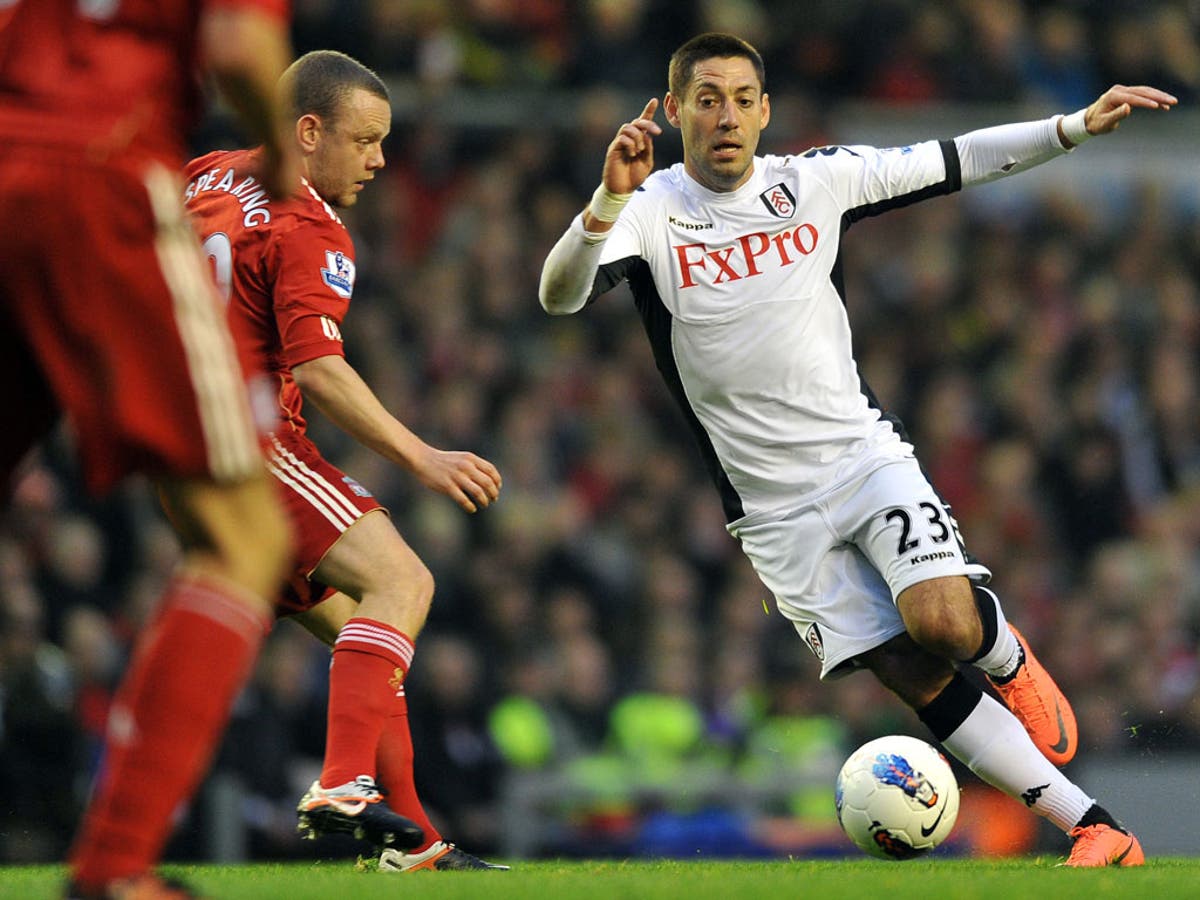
column 1074, row 127
column 606, row 205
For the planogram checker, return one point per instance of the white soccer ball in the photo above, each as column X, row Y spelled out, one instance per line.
column 897, row 797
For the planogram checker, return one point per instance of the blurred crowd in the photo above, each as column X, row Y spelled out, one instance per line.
column 907, row 51
column 598, row 624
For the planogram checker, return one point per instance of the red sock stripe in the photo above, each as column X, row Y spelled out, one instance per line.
column 371, row 636
column 370, row 660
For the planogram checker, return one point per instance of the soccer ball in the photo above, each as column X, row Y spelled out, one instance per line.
column 896, row 797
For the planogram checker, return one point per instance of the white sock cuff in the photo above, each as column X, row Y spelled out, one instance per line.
column 1003, row 655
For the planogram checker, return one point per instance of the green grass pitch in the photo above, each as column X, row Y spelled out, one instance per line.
column 955, row 879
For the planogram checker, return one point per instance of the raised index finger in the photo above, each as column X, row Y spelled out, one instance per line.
column 651, row 107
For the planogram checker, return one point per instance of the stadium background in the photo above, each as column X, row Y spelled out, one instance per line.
column 599, row 674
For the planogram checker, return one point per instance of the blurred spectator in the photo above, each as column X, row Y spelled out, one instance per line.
column 41, row 745
column 457, row 763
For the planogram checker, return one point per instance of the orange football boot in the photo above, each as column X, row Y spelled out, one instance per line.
column 1035, row 699
column 1103, row 845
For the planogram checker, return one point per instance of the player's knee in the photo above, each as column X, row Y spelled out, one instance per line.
column 407, row 586
column 946, row 636
column 422, row 583
column 944, row 624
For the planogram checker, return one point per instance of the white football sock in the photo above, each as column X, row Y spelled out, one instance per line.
column 994, row 745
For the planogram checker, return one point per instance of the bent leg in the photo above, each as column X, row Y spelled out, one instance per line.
column 941, row 616
column 977, row 730
column 373, row 650
column 373, row 565
column 960, row 621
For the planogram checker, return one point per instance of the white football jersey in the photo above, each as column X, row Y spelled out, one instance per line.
column 740, row 293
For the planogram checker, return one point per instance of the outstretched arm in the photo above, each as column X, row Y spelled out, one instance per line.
column 340, row 393
column 571, row 265
column 991, row 153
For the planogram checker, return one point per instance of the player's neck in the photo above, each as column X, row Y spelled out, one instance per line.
column 718, row 186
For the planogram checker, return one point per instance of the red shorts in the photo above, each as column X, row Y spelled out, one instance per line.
column 108, row 315
column 322, row 502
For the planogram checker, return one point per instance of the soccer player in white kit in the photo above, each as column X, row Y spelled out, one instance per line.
column 733, row 262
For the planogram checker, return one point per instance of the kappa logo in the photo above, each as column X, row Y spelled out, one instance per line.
column 779, row 201
column 813, row 638
column 690, row 226
column 338, row 273
column 1034, row 794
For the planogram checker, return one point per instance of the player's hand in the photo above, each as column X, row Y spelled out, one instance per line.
column 469, row 480
column 630, row 157
column 1119, row 101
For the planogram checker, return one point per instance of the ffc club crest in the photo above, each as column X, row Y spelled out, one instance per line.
column 338, row 273
column 812, row 637
column 779, row 201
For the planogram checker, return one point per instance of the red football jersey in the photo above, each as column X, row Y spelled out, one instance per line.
column 285, row 267
column 109, row 76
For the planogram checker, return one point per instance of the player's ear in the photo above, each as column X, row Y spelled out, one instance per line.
column 766, row 112
column 671, row 109
column 308, row 132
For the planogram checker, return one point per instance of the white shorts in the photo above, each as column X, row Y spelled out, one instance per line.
column 837, row 564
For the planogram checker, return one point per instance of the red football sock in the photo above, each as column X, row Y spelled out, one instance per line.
column 370, row 660
column 165, row 723
column 395, row 770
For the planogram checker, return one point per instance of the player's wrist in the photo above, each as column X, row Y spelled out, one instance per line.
column 1074, row 127
column 606, row 205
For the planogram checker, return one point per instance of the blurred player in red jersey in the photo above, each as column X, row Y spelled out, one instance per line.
column 287, row 269
column 109, row 319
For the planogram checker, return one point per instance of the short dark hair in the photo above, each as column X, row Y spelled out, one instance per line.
column 711, row 45
column 318, row 82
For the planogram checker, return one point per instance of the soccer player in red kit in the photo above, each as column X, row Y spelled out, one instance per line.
column 287, row 270
column 108, row 318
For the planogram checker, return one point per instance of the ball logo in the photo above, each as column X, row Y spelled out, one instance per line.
column 779, row 201
column 894, row 769
column 891, row 845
